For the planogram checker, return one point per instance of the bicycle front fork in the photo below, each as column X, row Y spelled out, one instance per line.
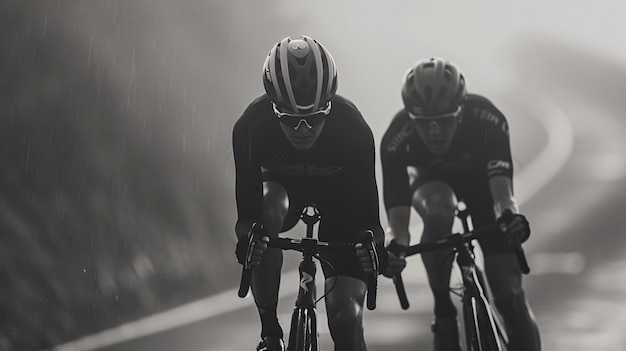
column 303, row 332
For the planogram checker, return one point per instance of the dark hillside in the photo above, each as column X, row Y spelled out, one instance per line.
column 108, row 208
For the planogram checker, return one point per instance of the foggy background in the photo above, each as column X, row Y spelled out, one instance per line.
column 117, row 192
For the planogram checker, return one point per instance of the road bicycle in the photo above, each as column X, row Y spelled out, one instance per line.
column 303, row 334
column 484, row 329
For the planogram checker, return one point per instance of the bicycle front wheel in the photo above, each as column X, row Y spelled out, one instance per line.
column 303, row 333
column 470, row 323
column 489, row 332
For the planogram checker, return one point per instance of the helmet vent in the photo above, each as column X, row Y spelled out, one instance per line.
column 441, row 97
column 447, row 75
column 301, row 61
column 312, row 72
column 292, row 77
column 304, row 85
column 428, row 93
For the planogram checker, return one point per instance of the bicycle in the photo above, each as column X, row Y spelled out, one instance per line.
column 303, row 334
column 484, row 329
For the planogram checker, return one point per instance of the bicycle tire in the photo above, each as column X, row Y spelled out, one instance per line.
column 489, row 333
column 470, row 324
column 503, row 334
column 303, row 334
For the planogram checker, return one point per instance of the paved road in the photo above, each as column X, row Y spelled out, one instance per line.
column 577, row 255
column 577, row 251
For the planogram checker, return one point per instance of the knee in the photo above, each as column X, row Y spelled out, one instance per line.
column 275, row 206
column 346, row 322
column 436, row 203
column 435, row 199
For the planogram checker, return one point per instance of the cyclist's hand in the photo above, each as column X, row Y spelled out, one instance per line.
column 364, row 257
column 515, row 224
column 258, row 248
column 395, row 266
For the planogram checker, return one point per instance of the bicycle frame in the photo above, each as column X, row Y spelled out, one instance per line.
column 303, row 335
column 484, row 329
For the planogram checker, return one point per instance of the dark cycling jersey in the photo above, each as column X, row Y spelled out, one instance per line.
column 479, row 151
column 337, row 173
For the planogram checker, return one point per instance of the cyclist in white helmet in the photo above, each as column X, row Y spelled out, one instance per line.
column 301, row 143
column 446, row 146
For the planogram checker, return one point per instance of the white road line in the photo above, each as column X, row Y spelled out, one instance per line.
column 206, row 308
column 550, row 161
column 528, row 182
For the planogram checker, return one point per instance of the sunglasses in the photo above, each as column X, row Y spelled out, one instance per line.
column 445, row 120
column 293, row 120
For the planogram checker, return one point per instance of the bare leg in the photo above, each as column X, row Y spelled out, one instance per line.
column 344, row 308
column 266, row 277
column 436, row 203
column 505, row 280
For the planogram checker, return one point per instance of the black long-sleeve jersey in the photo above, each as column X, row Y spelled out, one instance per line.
column 337, row 173
column 480, row 150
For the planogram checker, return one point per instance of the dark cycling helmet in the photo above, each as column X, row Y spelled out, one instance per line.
column 433, row 86
column 299, row 75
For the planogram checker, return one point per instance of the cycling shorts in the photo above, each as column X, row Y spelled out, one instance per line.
column 337, row 223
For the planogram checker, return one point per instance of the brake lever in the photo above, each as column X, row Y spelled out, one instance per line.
column 518, row 249
column 400, row 251
column 246, row 272
column 368, row 240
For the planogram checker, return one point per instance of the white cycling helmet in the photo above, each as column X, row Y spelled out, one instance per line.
column 299, row 75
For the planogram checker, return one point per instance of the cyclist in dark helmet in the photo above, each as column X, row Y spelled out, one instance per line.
column 298, row 144
column 446, row 146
